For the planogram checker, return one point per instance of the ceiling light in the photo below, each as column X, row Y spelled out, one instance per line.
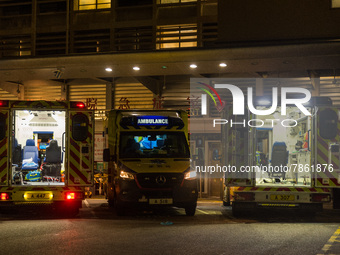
column 193, row 66
column 223, row 64
column 136, row 68
column 108, row 69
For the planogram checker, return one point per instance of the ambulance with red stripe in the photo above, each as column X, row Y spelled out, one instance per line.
column 149, row 161
column 46, row 150
column 295, row 165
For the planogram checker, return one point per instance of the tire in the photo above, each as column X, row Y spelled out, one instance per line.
column 190, row 210
column 236, row 211
column 226, row 203
column 119, row 208
column 111, row 203
column 336, row 198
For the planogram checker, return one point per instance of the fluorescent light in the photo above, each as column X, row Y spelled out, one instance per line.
column 223, row 64
column 108, row 69
column 136, row 68
column 193, row 66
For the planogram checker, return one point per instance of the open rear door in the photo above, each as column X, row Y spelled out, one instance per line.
column 239, row 148
column 80, row 148
column 327, row 149
column 4, row 147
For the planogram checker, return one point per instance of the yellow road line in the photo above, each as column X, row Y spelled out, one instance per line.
column 202, row 211
column 332, row 245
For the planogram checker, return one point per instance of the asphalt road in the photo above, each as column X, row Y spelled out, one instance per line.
column 213, row 230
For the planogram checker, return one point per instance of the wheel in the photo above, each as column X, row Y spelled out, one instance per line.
column 190, row 210
column 119, row 208
column 236, row 210
column 111, row 203
column 226, row 203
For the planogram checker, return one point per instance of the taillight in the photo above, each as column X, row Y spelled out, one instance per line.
column 321, row 197
column 3, row 103
column 244, row 196
column 79, row 105
column 74, row 195
column 4, row 196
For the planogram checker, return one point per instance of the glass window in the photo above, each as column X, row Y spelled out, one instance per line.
column 2, row 126
column 79, row 127
column 177, row 36
column 335, row 3
column 328, row 122
column 93, row 4
column 149, row 144
column 175, row 1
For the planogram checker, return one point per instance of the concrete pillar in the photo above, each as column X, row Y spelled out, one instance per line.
column 110, row 96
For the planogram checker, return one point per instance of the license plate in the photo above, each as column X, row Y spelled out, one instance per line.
column 160, row 201
column 38, row 196
column 282, row 197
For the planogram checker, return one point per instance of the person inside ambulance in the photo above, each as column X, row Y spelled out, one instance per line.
column 132, row 147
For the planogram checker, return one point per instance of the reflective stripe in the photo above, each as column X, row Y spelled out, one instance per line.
column 4, row 154
column 281, row 189
column 80, row 165
column 325, row 157
column 37, row 104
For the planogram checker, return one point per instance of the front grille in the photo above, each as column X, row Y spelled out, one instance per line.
column 159, row 180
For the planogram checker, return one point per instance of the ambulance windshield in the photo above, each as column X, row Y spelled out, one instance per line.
column 150, row 144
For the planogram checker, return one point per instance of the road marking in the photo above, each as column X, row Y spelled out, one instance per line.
column 210, row 201
column 333, row 244
column 202, row 211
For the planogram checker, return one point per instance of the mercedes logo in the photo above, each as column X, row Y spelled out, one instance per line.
column 160, row 179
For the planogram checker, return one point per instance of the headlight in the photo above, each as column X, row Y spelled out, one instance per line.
column 126, row 175
column 190, row 175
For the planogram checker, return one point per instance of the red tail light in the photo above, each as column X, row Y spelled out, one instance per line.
column 4, row 196
column 3, row 103
column 244, row 196
column 70, row 196
column 321, row 197
column 79, row 105
column 74, row 195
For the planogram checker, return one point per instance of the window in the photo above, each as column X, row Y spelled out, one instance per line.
column 176, row 36
column 150, row 144
column 3, row 127
column 328, row 124
column 335, row 3
column 79, row 127
column 93, row 4
column 175, row 1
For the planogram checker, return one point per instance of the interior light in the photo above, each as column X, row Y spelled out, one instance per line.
column 136, row 68
column 108, row 69
column 223, row 64
column 264, row 102
column 193, row 66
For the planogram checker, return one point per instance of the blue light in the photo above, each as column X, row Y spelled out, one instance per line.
column 152, row 121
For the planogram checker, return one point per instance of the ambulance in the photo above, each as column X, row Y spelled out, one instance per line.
column 289, row 161
column 149, row 161
column 46, row 150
